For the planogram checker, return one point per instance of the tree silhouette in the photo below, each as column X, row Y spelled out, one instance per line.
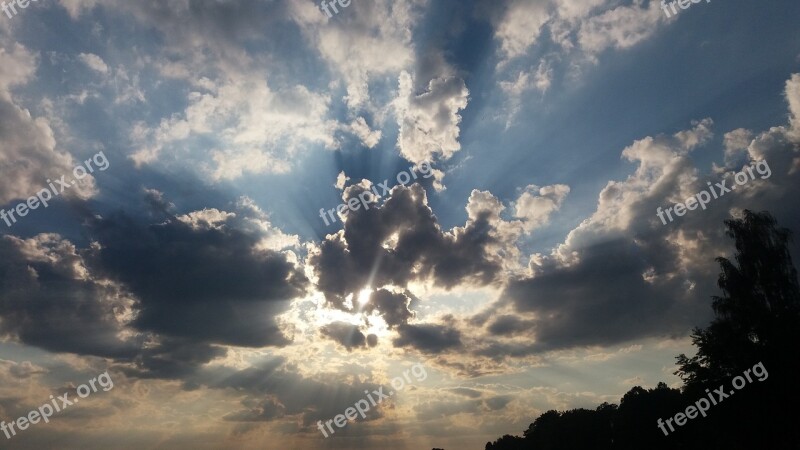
column 757, row 315
column 638, row 411
column 507, row 442
column 757, row 320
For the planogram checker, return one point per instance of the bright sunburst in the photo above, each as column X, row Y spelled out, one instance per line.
column 363, row 296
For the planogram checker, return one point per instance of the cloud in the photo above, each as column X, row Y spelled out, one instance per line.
column 394, row 308
column 466, row 392
column 368, row 43
column 76, row 7
column 251, row 116
column 508, row 325
column 94, row 62
column 433, row 410
column 581, row 28
column 160, row 299
column 368, row 137
column 28, row 150
column 620, row 28
column 201, row 276
column 262, row 412
column 18, row 65
column 780, row 147
column 576, row 9
column 535, row 204
column 540, row 80
column 521, row 26
column 399, row 241
column 274, row 387
column 52, row 301
column 341, row 180
column 599, row 300
column 259, row 130
column 261, row 123
column 541, row 42
column 793, row 98
column 23, row 370
column 171, row 358
column 622, row 274
column 736, row 143
column 429, row 122
column 429, row 338
column 348, row 336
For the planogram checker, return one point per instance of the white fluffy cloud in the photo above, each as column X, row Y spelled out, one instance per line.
column 93, row 62
column 259, row 129
column 736, row 143
column 580, row 30
column 28, row 149
column 257, row 120
column 620, row 28
column 18, row 65
column 536, row 204
column 429, row 122
column 520, row 26
column 793, row 98
column 369, row 138
column 369, row 42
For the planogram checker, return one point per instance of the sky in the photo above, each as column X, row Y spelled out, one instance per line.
column 170, row 173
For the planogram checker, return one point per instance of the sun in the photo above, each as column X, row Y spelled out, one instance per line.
column 363, row 296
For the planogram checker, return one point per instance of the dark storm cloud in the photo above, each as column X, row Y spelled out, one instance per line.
column 509, row 326
column 156, row 203
column 183, row 286
column 428, row 338
column 48, row 301
column 346, row 262
column 394, row 308
column 173, row 359
column 197, row 281
column 602, row 300
column 349, row 336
